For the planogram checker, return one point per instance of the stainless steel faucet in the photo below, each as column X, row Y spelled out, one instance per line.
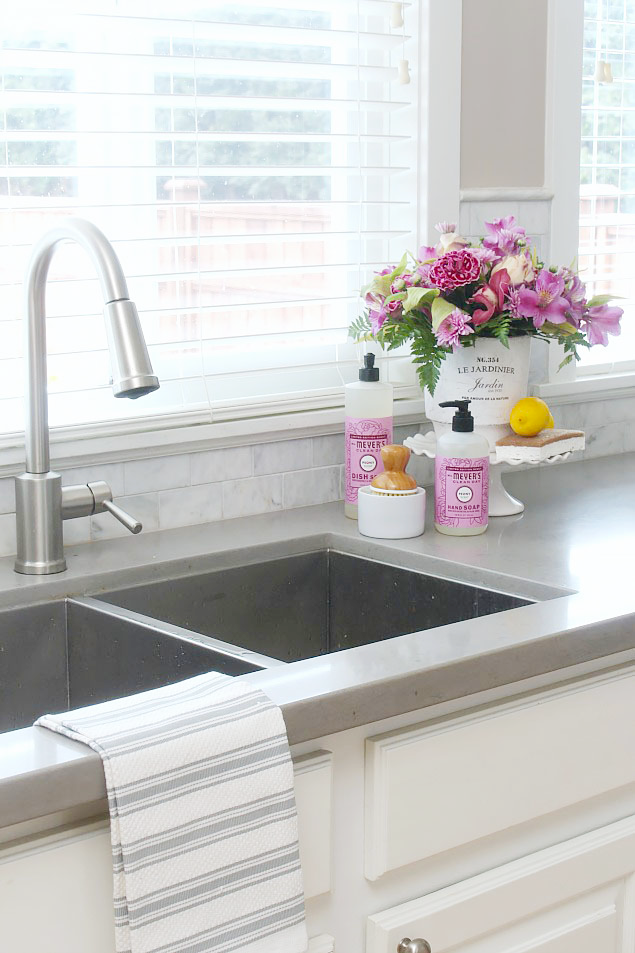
column 42, row 504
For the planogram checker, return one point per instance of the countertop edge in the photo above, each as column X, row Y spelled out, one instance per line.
column 538, row 663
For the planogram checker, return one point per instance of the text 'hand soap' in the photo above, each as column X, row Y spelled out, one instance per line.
column 461, row 476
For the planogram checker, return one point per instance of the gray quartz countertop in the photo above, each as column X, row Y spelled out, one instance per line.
column 572, row 548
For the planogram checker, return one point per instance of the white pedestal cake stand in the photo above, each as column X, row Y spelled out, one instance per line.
column 501, row 503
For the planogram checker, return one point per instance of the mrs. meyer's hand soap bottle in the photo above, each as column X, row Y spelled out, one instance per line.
column 461, row 476
column 368, row 409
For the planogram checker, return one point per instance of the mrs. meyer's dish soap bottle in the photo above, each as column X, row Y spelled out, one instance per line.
column 368, row 409
column 461, row 476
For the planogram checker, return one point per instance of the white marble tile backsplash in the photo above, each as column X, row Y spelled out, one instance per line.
column 7, row 495
column 7, row 534
column 188, row 488
column 216, row 466
column 306, row 487
column 160, row 473
column 189, row 505
column 282, row 456
column 261, row 494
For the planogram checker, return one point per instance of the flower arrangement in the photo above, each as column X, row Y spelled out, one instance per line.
column 457, row 291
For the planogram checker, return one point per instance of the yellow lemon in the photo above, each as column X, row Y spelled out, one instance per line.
column 529, row 416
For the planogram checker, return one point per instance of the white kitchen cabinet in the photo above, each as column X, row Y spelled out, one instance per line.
column 506, row 820
column 576, row 897
column 56, row 889
column 471, row 776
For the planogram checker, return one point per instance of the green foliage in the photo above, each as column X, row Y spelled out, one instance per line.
column 360, row 329
column 420, row 298
column 602, row 299
column 440, row 309
column 500, row 326
column 428, row 357
column 569, row 337
column 414, row 328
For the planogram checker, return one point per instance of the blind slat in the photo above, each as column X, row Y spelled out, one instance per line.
column 252, row 163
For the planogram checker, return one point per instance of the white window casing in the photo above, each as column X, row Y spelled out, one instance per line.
column 582, row 34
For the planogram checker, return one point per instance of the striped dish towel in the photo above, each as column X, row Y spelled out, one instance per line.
column 202, row 818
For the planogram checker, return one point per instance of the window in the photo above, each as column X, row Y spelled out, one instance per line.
column 252, row 163
column 607, row 185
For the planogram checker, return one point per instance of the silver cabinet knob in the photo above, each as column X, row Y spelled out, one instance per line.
column 414, row 946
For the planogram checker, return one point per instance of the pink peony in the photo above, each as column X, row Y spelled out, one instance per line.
column 454, row 269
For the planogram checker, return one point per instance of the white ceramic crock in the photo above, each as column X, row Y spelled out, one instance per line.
column 391, row 517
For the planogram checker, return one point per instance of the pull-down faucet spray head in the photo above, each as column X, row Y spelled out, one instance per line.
column 132, row 374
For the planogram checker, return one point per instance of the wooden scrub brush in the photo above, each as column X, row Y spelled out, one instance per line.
column 394, row 481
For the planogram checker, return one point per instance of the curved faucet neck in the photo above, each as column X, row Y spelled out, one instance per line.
column 113, row 287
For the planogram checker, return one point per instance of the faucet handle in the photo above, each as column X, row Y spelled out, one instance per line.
column 102, row 502
column 124, row 518
column 85, row 499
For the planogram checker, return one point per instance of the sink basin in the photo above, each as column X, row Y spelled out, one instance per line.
column 77, row 652
column 236, row 618
column 300, row 606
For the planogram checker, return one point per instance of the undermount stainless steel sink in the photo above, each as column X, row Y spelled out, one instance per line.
column 76, row 652
column 240, row 617
column 300, row 606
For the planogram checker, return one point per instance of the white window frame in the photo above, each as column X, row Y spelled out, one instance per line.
column 437, row 190
column 562, row 173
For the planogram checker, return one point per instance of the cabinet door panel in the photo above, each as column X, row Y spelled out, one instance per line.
column 576, row 897
column 433, row 787
column 589, row 924
column 66, row 877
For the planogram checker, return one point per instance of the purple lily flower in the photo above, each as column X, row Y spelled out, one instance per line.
column 427, row 253
column 546, row 303
column 378, row 318
column 576, row 296
column 600, row 321
column 504, row 236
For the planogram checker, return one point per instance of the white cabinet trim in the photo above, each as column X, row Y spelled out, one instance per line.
column 324, row 943
column 426, row 794
column 509, row 893
column 313, row 775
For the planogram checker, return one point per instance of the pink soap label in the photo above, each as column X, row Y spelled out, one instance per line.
column 364, row 439
column 461, row 491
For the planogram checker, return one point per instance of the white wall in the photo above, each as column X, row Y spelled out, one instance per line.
column 504, row 63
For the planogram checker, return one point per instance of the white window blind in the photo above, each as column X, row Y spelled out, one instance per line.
column 252, row 163
column 607, row 185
